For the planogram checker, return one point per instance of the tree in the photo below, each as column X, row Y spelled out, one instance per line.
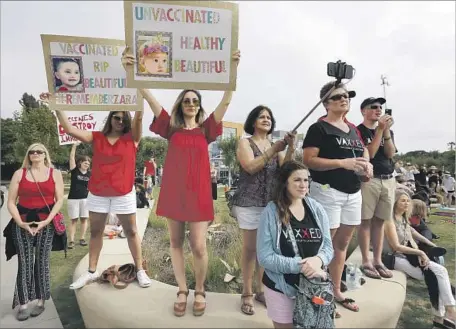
column 451, row 145
column 228, row 147
column 151, row 146
column 9, row 128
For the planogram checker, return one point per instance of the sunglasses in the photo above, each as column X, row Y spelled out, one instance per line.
column 339, row 97
column 119, row 119
column 39, row 152
column 188, row 101
column 375, row 107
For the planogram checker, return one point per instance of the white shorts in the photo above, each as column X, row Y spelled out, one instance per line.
column 124, row 204
column 247, row 217
column 341, row 208
column 77, row 208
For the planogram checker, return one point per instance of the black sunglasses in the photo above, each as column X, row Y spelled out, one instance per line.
column 339, row 97
column 189, row 101
column 375, row 107
column 35, row 152
column 119, row 119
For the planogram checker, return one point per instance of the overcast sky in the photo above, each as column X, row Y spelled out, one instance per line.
column 285, row 47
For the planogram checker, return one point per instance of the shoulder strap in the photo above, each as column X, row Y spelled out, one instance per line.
column 39, row 190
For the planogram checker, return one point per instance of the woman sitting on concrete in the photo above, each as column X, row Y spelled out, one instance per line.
column 310, row 225
column 408, row 258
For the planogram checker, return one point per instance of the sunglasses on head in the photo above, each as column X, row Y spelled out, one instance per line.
column 188, row 101
column 338, row 97
column 35, row 152
column 119, row 119
column 375, row 107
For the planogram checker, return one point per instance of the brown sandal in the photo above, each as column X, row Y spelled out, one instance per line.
column 180, row 307
column 247, row 308
column 199, row 307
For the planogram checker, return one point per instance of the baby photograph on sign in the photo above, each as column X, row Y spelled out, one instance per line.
column 86, row 74
column 182, row 44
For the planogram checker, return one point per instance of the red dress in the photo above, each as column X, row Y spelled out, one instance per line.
column 186, row 190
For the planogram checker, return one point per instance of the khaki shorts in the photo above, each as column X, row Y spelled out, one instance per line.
column 378, row 198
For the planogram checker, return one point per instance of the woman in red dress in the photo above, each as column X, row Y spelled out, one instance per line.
column 186, row 194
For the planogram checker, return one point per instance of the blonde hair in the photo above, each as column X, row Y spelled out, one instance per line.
column 47, row 159
column 419, row 208
column 399, row 193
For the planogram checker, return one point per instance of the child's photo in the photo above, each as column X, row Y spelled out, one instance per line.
column 154, row 53
column 67, row 72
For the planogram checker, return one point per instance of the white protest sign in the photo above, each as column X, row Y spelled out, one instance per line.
column 182, row 44
column 86, row 74
column 90, row 121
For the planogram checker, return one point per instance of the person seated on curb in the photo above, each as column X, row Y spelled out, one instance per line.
column 405, row 256
column 378, row 192
column 141, row 198
column 291, row 210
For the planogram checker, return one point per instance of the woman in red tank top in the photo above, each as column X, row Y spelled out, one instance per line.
column 35, row 196
column 111, row 185
column 185, row 194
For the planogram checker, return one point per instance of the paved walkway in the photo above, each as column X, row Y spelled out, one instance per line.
column 48, row 319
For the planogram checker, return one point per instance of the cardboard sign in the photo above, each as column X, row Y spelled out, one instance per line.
column 90, row 121
column 86, row 74
column 182, row 44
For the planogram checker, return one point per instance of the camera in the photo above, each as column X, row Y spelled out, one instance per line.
column 340, row 70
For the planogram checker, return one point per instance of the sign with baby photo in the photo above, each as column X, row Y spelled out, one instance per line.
column 182, row 44
column 86, row 74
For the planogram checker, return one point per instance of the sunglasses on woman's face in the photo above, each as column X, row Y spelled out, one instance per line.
column 119, row 119
column 339, row 97
column 188, row 101
column 39, row 152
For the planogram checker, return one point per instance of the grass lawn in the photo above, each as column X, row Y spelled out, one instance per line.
column 62, row 270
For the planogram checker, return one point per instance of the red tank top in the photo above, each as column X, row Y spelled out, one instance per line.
column 150, row 168
column 29, row 195
column 113, row 166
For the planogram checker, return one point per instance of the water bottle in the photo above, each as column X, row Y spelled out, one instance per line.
column 351, row 277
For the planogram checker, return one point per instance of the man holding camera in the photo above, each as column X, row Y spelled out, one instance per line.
column 377, row 193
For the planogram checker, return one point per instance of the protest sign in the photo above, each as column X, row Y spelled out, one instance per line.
column 86, row 74
column 89, row 121
column 182, row 44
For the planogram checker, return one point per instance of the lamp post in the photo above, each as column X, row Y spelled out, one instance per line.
column 384, row 84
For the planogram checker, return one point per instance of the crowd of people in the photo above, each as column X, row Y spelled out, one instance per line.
column 296, row 218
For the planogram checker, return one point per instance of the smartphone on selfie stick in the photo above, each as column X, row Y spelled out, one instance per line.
column 389, row 112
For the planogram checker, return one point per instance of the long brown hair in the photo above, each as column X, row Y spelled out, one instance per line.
column 177, row 114
column 281, row 197
column 126, row 121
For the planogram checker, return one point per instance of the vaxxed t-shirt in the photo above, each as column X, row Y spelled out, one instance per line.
column 334, row 143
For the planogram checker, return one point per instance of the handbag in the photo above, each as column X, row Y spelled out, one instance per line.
column 314, row 304
column 58, row 219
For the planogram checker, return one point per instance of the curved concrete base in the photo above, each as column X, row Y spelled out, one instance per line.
column 103, row 306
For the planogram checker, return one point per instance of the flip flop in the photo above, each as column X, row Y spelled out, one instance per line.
column 383, row 271
column 349, row 304
column 247, row 308
column 370, row 272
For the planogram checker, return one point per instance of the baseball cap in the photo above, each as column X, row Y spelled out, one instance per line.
column 372, row 100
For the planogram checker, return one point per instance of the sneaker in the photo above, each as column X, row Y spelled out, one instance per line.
column 143, row 280
column 83, row 242
column 84, row 279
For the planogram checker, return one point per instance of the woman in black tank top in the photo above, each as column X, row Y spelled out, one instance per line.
column 77, row 197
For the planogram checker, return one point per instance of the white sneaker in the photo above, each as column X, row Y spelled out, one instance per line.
column 84, row 279
column 143, row 280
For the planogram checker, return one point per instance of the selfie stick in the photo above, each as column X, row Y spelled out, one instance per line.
column 338, row 81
